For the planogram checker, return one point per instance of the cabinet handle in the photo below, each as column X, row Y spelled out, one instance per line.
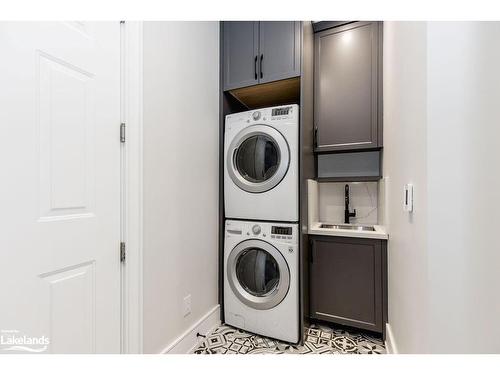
column 255, row 67
column 315, row 140
column 261, row 72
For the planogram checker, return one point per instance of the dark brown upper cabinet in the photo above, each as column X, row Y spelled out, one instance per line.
column 260, row 52
column 348, row 281
column 348, row 87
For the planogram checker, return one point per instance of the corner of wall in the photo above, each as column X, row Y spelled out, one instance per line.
column 188, row 341
column 390, row 342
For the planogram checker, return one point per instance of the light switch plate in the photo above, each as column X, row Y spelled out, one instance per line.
column 408, row 198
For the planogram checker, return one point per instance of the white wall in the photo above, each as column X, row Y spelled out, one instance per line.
column 441, row 132
column 404, row 161
column 464, row 185
column 181, row 80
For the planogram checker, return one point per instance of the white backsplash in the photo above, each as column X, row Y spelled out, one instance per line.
column 363, row 197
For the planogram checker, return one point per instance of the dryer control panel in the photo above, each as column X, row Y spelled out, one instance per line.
column 281, row 111
column 273, row 114
column 279, row 232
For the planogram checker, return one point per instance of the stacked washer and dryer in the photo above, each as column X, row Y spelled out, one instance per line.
column 261, row 201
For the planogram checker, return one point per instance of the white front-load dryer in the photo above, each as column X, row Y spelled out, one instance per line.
column 261, row 175
column 261, row 278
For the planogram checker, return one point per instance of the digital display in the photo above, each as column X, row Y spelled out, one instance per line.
column 281, row 111
column 287, row 231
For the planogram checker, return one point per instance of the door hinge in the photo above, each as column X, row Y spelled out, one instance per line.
column 122, row 132
column 122, row 252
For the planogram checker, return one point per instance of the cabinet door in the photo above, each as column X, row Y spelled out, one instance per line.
column 241, row 49
column 346, row 83
column 346, row 285
column 279, row 49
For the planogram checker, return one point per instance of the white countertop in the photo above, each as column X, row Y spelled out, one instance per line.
column 379, row 232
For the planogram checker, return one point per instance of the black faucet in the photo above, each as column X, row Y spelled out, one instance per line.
column 347, row 214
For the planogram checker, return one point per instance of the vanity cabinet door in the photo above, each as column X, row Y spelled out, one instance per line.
column 346, row 281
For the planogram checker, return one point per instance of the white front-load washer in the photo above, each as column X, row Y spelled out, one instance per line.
column 261, row 175
column 261, row 278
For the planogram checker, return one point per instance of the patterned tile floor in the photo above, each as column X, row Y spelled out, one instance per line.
column 319, row 339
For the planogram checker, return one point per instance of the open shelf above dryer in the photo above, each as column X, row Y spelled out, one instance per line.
column 286, row 91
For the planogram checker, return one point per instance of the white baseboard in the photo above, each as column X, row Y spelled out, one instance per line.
column 188, row 341
column 390, row 342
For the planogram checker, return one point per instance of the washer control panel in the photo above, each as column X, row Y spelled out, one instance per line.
column 280, row 232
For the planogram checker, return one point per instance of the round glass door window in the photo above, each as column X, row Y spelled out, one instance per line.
column 257, row 272
column 258, row 158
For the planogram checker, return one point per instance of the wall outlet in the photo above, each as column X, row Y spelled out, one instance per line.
column 186, row 307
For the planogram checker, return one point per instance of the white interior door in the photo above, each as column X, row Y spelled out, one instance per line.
column 60, row 186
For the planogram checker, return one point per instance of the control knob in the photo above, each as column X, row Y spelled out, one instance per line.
column 256, row 229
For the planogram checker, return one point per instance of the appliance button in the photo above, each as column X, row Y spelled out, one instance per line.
column 256, row 115
column 256, row 229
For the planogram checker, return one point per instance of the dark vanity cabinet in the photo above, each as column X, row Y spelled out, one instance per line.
column 348, row 87
column 348, row 281
column 260, row 52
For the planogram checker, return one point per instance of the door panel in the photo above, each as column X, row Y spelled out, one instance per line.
column 241, row 47
column 67, row 113
column 71, row 294
column 346, row 87
column 60, row 155
column 279, row 50
column 346, row 282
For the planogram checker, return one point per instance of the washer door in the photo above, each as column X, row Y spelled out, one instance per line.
column 258, row 158
column 258, row 274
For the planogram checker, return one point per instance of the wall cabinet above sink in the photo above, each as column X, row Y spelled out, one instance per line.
column 348, row 87
column 260, row 52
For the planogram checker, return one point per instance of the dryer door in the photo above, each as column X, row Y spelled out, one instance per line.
column 258, row 158
column 258, row 274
